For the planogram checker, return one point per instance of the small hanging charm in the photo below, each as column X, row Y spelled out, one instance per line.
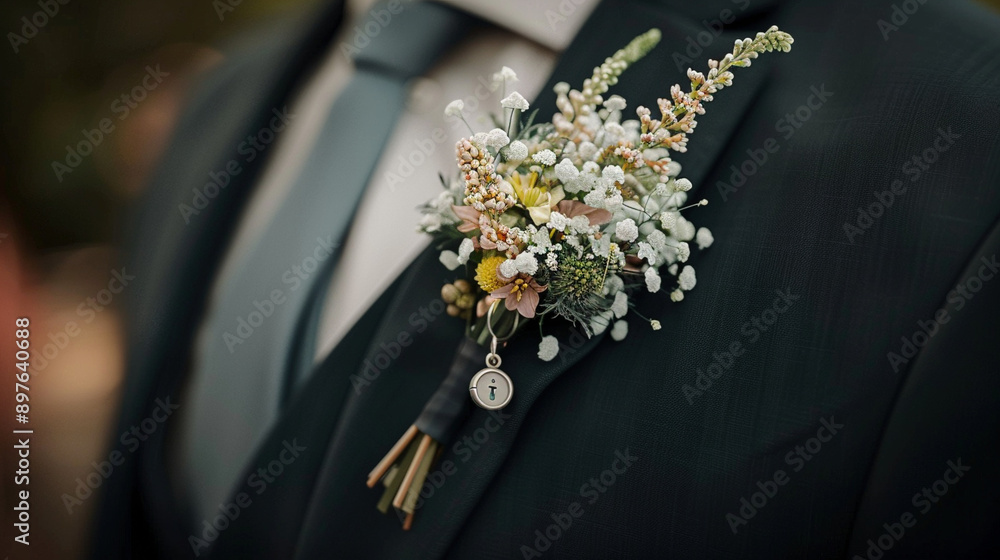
column 491, row 388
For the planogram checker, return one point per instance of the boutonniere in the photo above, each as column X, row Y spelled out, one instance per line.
column 559, row 220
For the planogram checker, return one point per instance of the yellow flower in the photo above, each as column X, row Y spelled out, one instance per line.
column 539, row 200
column 486, row 274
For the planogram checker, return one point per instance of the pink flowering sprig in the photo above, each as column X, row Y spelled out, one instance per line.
column 678, row 113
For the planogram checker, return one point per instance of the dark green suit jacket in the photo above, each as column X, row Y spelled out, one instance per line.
column 829, row 390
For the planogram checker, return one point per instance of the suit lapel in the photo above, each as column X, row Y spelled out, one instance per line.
column 180, row 240
column 342, row 516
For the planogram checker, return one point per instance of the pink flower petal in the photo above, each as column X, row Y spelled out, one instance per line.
column 571, row 208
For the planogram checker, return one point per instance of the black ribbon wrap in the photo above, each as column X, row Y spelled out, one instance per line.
column 449, row 405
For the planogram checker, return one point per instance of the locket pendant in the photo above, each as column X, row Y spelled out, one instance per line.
column 491, row 388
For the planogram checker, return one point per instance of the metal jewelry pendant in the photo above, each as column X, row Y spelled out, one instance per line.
column 491, row 388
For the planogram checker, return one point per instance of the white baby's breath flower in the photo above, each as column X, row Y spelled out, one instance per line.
column 505, row 74
column 516, row 151
column 683, row 251
column 514, row 101
column 454, row 109
column 668, row 219
column 541, row 238
column 626, row 230
column 526, row 264
column 545, row 157
column 620, row 306
column 655, row 325
column 497, row 138
column 479, row 139
column 686, row 279
column 430, row 223
column 683, row 229
column 704, row 238
column 599, row 323
column 449, row 259
column 587, row 151
column 619, row 331
column 613, row 174
column 558, row 221
column 677, row 295
column 552, row 261
column 661, row 190
column 566, row 172
column 682, row 185
column 646, row 251
column 613, row 202
column 652, row 280
column 508, row 268
column 548, row 348
column 613, row 284
column 657, row 239
column 465, row 250
column 615, row 103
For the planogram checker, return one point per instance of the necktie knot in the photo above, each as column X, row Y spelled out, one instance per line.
column 404, row 39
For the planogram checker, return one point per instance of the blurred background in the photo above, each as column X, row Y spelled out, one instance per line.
column 90, row 94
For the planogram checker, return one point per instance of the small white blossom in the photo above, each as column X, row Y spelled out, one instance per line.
column 614, row 202
column 514, row 101
column 683, row 229
column 479, row 139
column 676, row 295
column 548, row 348
column 541, row 238
column 566, row 172
column 682, row 185
column 613, row 174
column 558, row 221
column 683, row 251
column 615, row 103
column 668, row 219
column 613, row 284
column 505, row 74
column 594, row 198
column 599, row 323
column 620, row 306
column 526, row 264
column 449, row 259
column 516, row 151
column 497, row 138
column 652, row 280
column 661, row 190
column 508, row 268
column 552, row 261
column 561, row 88
column 626, row 230
column 454, row 109
column 646, row 251
column 704, row 238
column 545, row 157
column 619, row 331
column 465, row 250
column 687, row 279
column 657, row 239
column 587, row 150
column 430, row 222
column 655, row 325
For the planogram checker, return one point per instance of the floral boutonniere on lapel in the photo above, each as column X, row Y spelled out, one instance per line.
column 557, row 220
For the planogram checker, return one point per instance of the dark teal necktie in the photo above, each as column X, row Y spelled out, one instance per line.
column 270, row 308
